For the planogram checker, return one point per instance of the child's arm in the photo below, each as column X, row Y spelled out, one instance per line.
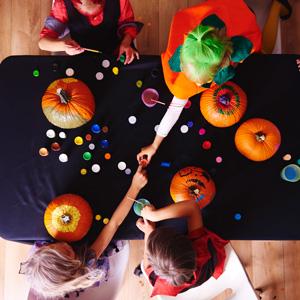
column 138, row 182
column 54, row 45
column 188, row 209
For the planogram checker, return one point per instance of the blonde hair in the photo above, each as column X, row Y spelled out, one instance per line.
column 53, row 274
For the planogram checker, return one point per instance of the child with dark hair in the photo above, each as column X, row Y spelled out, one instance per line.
column 174, row 262
column 104, row 25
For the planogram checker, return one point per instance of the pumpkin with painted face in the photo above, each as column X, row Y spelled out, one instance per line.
column 68, row 103
column 68, row 218
column 223, row 106
column 193, row 183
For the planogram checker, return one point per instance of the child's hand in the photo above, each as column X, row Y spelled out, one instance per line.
column 144, row 157
column 139, row 179
column 72, row 48
column 147, row 212
column 129, row 52
column 144, row 225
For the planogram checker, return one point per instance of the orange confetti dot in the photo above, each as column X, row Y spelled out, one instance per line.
column 107, row 156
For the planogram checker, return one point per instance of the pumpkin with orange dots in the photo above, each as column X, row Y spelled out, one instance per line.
column 193, row 183
column 68, row 218
column 68, row 103
column 224, row 105
column 257, row 139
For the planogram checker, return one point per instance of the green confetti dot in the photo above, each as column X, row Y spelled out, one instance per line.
column 139, row 83
column 122, row 58
column 36, row 73
column 87, row 155
column 298, row 161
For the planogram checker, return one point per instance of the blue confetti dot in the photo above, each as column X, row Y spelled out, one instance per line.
column 104, row 144
column 165, row 164
column 237, row 217
column 96, row 128
column 190, row 124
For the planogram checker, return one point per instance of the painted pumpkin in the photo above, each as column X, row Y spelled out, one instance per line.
column 193, row 183
column 68, row 103
column 68, row 218
column 223, row 106
column 257, row 139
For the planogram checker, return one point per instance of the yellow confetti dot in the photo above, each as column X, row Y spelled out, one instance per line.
column 139, row 83
column 115, row 70
column 287, row 157
column 105, row 221
column 107, row 156
column 83, row 171
column 97, row 217
column 78, row 140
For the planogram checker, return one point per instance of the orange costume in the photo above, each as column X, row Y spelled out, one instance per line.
column 241, row 27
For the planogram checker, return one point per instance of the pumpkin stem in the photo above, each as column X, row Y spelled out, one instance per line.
column 66, row 219
column 225, row 99
column 260, row 136
column 64, row 97
column 194, row 190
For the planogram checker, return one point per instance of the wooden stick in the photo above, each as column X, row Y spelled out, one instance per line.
column 156, row 101
column 135, row 201
column 92, row 50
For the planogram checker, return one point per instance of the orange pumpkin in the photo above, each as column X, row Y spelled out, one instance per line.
column 68, row 218
column 68, row 103
column 193, row 183
column 257, row 139
column 224, row 105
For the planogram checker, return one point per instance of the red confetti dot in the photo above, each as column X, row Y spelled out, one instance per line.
column 88, row 137
column 55, row 146
column 202, row 131
column 206, row 145
column 188, row 104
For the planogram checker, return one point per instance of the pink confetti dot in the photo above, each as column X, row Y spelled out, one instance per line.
column 206, row 145
column 188, row 104
column 202, row 131
column 219, row 159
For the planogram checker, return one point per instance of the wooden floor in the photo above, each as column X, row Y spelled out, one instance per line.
column 271, row 265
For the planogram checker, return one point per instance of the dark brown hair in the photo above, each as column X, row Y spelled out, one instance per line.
column 171, row 255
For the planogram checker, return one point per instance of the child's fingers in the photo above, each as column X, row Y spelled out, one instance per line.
column 137, row 55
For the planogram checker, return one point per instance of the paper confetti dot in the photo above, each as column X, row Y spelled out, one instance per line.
column 115, row 70
column 202, row 131
column 156, row 128
column 104, row 144
column 92, row 146
column 105, row 63
column 298, row 161
column 63, row 157
column 237, row 216
column 97, row 217
column 287, row 157
column 96, row 168
column 139, row 83
column 105, row 221
column 88, row 137
column 219, row 159
column 36, row 73
column 122, row 165
column 165, row 164
column 206, row 145
column 43, row 152
column 50, row 133
column 83, row 171
column 127, row 171
column 96, row 128
column 107, row 156
column 62, row 135
column 55, row 146
column 188, row 104
column 190, row 124
column 87, row 155
column 122, row 58
column 132, row 120
column 99, row 76
column 184, row 129
column 78, row 140
column 105, row 129
column 70, row 72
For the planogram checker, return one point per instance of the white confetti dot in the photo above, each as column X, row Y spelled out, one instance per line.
column 127, row 171
column 50, row 133
column 184, row 129
column 122, row 165
column 132, row 119
column 62, row 135
column 156, row 128
column 63, row 157
column 91, row 146
column 99, row 76
column 96, row 168
column 70, row 72
column 105, row 63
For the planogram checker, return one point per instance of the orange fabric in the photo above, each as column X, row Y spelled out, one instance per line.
column 238, row 19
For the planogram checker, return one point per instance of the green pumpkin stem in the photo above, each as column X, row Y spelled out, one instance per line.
column 260, row 136
column 64, row 97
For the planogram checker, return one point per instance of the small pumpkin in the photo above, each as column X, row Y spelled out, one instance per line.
column 193, row 183
column 68, row 218
column 223, row 106
column 68, row 103
column 257, row 139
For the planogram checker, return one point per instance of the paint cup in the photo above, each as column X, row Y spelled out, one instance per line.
column 137, row 207
column 148, row 96
column 291, row 173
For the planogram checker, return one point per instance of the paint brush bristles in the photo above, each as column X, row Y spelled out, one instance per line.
column 135, row 200
column 92, row 50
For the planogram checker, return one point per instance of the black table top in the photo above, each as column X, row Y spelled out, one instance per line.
column 268, row 205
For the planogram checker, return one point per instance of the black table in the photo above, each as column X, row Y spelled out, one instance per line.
column 269, row 206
